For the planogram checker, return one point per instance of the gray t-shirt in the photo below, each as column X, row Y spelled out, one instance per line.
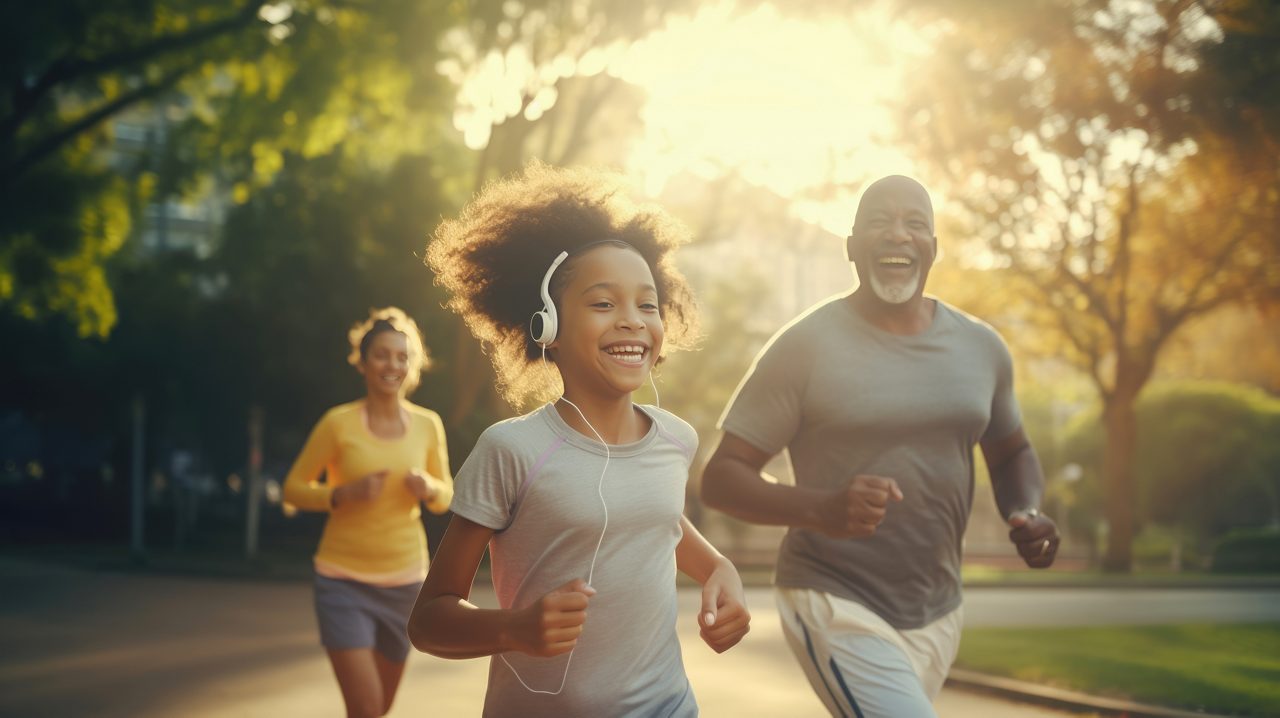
column 846, row 397
column 533, row 479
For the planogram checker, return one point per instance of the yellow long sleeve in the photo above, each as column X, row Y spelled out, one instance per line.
column 438, row 468
column 379, row 540
column 302, row 487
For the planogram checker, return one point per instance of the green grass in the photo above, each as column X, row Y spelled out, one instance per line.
column 1218, row 668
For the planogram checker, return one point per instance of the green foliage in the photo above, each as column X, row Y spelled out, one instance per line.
column 239, row 86
column 1207, row 459
column 1248, row 551
column 57, row 229
column 1216, row 668
column 261, row 322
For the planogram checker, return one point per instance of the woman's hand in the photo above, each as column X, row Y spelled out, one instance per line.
column 724, row 618
column 421, row 485
column 364, row 489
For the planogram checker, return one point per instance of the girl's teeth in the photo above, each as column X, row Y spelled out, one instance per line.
column 631, row 354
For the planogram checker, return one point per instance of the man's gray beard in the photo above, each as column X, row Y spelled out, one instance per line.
column 896, row 293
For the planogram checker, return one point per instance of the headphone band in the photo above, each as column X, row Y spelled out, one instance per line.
column 544, row 324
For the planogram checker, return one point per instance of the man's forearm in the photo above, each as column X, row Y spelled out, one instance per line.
column 737, row 489
column 1018, row 482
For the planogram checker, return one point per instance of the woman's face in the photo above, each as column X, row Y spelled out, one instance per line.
column 385, row 364
column 610, row 331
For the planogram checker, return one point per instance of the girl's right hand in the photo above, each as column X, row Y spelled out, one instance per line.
column 551, row 625
column 366, row 488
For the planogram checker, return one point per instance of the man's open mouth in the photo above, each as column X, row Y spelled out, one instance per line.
column 896, row 261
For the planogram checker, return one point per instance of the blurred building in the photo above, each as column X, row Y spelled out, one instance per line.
column 141, row 144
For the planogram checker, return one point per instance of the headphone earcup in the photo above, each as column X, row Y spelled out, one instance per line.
column 542, row 328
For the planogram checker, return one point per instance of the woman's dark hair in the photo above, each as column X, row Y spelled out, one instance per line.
column 491, row 259
column 390, row 319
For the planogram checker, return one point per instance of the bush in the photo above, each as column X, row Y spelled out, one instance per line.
column 1207, row 460
column 1248, row 551
column 1155, row 546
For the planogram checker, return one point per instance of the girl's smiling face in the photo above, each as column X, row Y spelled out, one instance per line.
column 610, row 331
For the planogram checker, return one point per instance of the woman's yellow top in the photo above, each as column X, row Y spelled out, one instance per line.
column 380, row 541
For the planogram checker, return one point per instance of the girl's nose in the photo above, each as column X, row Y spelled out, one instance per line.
column 631, row 320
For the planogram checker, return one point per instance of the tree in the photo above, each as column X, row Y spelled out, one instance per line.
column 1206, row 461
column 67, row 69
column 238, row 85
column 1077, row 140
column 532, row 82
column 1238, row 344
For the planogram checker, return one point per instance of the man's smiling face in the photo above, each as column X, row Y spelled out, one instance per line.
column 892, row 242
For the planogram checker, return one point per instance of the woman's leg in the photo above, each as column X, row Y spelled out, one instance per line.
column 389, row 673
column 360, row 678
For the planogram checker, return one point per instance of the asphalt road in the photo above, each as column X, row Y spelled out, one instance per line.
column 82, row 643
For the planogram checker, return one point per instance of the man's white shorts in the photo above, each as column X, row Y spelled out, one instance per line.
column 859, row 665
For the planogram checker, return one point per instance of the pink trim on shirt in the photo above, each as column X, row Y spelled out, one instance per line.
column 683, row 447
column 537, row 466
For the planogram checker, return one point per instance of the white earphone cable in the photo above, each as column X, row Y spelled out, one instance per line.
column 596, row 554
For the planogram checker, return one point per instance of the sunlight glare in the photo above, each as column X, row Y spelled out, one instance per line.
column 797, row 106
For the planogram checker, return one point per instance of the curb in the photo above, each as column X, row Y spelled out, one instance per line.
column 1026, row 692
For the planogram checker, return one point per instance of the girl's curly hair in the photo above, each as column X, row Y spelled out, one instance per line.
column 491, row 259
column 390, row 319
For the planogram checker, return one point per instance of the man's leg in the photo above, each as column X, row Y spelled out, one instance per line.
column 933, row 649
column 855, row 673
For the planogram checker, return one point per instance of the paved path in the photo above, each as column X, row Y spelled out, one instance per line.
column 1118, row 606
column 80, row 643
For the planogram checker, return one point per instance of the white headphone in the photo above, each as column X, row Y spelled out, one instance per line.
column 544, row 324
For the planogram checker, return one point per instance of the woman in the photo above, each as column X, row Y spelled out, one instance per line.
column 382, row 457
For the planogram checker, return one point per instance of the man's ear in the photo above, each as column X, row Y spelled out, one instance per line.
column 848, row 247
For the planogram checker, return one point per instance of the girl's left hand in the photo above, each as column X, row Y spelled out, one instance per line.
column 724, row 618
column 421, row 485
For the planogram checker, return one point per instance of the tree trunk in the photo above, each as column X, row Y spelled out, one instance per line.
column 1120, row 422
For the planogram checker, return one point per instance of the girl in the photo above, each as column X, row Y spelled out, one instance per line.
column 382, row 457
column 579, row 502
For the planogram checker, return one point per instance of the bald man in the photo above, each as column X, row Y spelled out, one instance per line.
column 879, row 396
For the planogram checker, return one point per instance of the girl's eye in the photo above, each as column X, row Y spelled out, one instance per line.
column 649, row 307
column 603, row 305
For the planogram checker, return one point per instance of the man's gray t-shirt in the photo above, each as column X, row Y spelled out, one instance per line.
column 846, row 397
column 533, row 479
